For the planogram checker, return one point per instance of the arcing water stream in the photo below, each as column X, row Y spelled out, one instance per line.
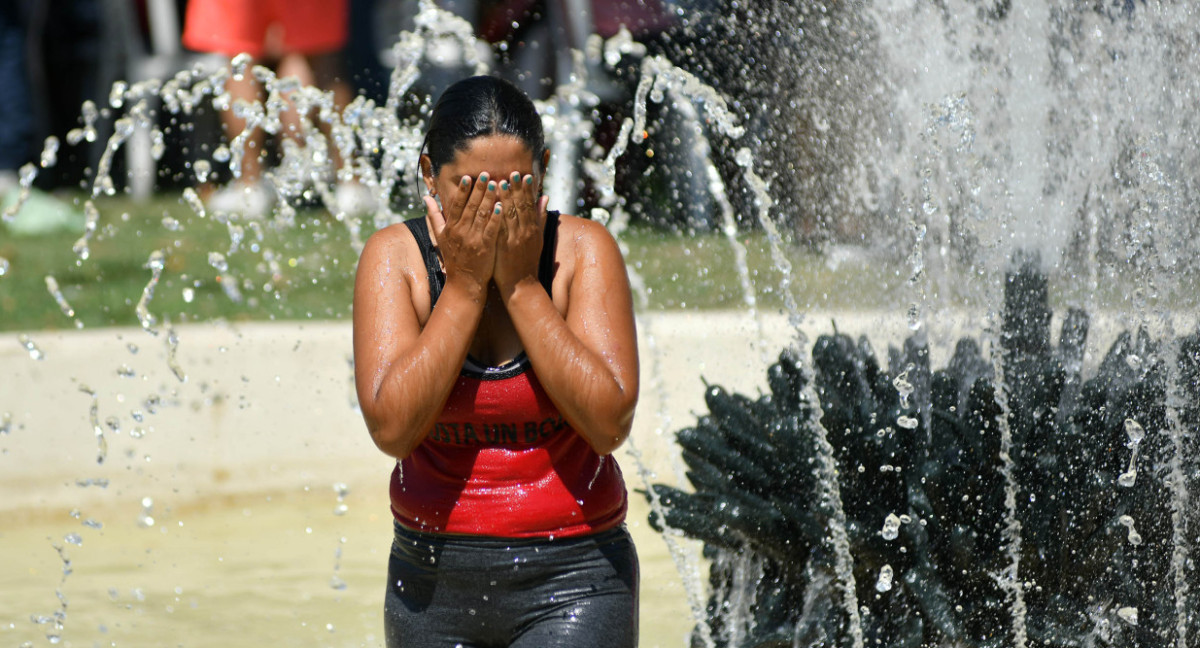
column 999, row 126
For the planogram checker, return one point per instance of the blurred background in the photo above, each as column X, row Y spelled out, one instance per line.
column 59, row 54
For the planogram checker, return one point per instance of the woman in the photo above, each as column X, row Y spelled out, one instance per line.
column 496, row 360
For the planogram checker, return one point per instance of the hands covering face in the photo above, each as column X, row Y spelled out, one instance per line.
column 489, row 229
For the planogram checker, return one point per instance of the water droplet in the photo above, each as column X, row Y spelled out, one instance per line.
column 30, row 347
column 3, row 266
column 189, row 294
column 194, row 202
column 907, row 422
column 1134, row 537
column 55, row 292
column 239, row 64
column 891, row 527
column 202, row 168
column 884, row 584
column 1127, row 478
column 81, row 249
column 1134, row 431
column 903, row 387
column 28, row 173
column 74, row 539
column 145, row 520
column 116, row 96
column 1134, row 361
column 1128, row 615
column 49, row 155
column 914, row 316
column 217, row 261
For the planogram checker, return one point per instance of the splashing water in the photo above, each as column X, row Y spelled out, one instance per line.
column 977, row 149
column 30, row 347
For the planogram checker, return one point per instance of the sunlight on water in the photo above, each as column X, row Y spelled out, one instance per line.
column 1061, row 130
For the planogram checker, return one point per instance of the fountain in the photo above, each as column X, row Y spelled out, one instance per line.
column 1032, row 491
column 930, row 465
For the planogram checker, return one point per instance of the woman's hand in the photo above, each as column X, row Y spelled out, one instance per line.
column 465, row 232
column 519, row 243
column 585, row 355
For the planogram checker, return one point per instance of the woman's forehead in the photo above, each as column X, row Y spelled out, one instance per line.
column 495, row 154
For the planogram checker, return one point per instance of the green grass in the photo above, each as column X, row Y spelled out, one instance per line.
column 306, row 271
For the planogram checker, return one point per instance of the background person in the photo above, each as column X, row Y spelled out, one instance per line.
column 300, row 38
column 496, row 360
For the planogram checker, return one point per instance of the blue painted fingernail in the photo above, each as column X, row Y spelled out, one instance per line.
column 497, row 209
column 503, row 186
column 491, row 186
column 483, row 176
column 528, row 179
column 466, row 180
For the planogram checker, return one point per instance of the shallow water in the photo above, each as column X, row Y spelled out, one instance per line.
column 240, row 464
column 244, row 570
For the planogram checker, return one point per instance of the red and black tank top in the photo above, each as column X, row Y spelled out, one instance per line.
column 501, row 460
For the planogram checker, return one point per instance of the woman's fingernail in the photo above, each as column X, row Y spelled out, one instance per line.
column 528, row 180
column 496, row 211
column 483, row 176
column 466, row 180
column 503, row 186
column 491, row 186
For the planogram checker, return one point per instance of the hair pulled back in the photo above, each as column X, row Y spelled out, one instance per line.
column 478, row 106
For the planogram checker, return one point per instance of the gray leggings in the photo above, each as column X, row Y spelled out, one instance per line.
column 480, row 592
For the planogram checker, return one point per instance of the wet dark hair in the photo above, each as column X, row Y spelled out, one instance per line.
column 478, row 106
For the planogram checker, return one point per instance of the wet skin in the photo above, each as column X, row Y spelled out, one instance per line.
column 486, row 216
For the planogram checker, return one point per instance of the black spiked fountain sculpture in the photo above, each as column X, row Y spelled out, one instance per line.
column 1040, row 509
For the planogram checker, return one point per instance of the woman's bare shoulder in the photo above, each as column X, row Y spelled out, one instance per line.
column 391, row 238
column 393, row 245
column 587, row 251
column 391, row 260
column 583, row 234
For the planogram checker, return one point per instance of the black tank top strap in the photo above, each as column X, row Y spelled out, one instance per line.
column 546, row 263
column 437, row 278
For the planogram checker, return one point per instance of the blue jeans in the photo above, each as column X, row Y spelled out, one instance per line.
column 16, row 113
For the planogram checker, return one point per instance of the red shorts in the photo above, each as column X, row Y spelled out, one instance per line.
column 231, row 27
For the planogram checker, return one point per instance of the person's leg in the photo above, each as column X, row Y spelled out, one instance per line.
column 589, row 598
column 245, row 89
column 16, row 113
column 432, row 590
column 232, row 27
column 314, row 35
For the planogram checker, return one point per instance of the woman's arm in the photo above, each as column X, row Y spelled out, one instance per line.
column 587, row 361
column 404, row 371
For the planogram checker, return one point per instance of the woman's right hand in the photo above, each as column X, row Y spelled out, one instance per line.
column 465, row 232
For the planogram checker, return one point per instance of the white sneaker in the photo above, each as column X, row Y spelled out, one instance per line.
column 252, row 200
column 352, row 199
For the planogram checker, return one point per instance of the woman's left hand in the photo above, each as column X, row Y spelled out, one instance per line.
column 519, row 244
